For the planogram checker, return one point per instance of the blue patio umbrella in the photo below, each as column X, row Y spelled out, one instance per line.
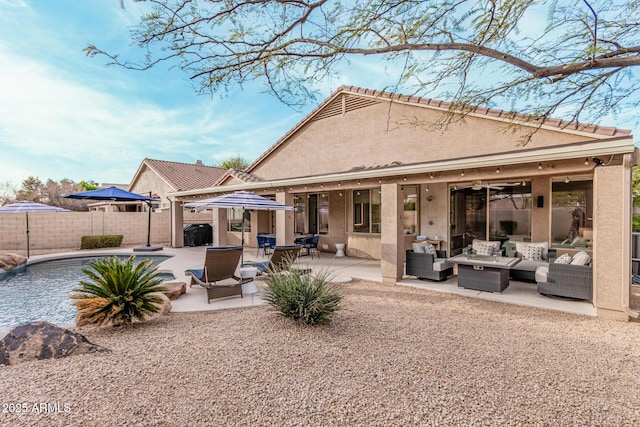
column 26, row 206
column 117, row 195
column 240, row 200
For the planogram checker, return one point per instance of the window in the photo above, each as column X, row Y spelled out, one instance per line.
column 410, row 210
column 572, row 212
column 301, row 214
column 235, row 219
column 366, row 211
column 313, row 216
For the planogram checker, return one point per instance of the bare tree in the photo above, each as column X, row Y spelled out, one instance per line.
column 579, row 62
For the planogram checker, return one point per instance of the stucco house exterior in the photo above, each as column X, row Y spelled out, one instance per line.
column 364, row 168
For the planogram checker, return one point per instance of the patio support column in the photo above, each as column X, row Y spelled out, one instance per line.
column 392, row 238
column 541, row 216
column 612, row 239
column 284, row 220
column 177, row 224
column 219, row 227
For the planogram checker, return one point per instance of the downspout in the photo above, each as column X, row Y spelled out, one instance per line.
column 171, row 228
column 629, row 160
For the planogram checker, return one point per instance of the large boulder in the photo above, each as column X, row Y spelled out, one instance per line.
column 164, row 306
column 174, row 289
column 10, row 261
column 43, row 340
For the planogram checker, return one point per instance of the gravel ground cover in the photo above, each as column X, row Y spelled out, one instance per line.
column 394, row 356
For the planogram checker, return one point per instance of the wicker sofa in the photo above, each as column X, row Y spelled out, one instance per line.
column 566, row 280
column 525, row 270
column 426, row 266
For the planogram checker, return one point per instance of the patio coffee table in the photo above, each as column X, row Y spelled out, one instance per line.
column 484, row 272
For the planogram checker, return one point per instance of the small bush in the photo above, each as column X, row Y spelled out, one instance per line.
column 104, row 241
column 636, row 224
column 117, row 292
column 303, row 297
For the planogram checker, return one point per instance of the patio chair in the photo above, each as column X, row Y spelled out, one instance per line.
column 311, row 245
column 263, row 243
column 281, row 258
column 220, row 263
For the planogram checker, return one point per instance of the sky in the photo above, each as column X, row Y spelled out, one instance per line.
column 64, row 115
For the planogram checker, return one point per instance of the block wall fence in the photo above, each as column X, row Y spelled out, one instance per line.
column 50, row 231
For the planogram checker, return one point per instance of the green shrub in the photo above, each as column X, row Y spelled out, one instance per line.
column 117, row 291
column 305, row 298
column 636, row 224
column 104, row 241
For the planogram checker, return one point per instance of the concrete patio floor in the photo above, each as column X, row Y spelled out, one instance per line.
column 341, row 270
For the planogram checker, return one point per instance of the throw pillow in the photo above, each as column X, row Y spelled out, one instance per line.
column 485, row 250
column 532, row 253
column 418, row 248
column 431, row 250
column 563, row 259
column 581, row 258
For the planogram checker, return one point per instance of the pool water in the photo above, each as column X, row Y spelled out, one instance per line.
column 41, row 291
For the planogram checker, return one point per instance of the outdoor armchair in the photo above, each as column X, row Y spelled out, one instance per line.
column 428, row 266
column 220, row 263
column 566, row 280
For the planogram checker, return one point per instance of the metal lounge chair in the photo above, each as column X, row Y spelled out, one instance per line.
column 220, row 263
column 311, row 245
column 263, row 243
column 281, row 258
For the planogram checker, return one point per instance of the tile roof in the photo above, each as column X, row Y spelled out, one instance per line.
column 491, row 112
column 186, row 176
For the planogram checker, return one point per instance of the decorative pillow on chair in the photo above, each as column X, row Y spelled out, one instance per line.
column 485, row 249
column 418, row 248
column 564, row 259
column 532, row 253
column 431, row 250
column 581, row 258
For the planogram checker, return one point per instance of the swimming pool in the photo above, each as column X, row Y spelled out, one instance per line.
column 41, row 291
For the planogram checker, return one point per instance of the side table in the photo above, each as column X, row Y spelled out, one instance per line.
column 250, row 287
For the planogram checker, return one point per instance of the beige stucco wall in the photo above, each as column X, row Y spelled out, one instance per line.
column 365, row 138
column 149, row 181
column 63, row 230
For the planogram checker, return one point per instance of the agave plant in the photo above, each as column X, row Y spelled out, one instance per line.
column 117, row 292
column 303, row 297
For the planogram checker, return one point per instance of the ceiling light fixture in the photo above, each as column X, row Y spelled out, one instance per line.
column 498, row 169
column 586, row 161
column 426, row 188
column 566, row 180
column 462, row 173
column 431, row 175
column 540, row 166
column 524, row 182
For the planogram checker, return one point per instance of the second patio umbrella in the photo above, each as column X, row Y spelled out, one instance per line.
column 26, row 206
column 244, row 200
column 118, row 195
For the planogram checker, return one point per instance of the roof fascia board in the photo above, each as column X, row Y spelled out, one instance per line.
column 621, row 145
